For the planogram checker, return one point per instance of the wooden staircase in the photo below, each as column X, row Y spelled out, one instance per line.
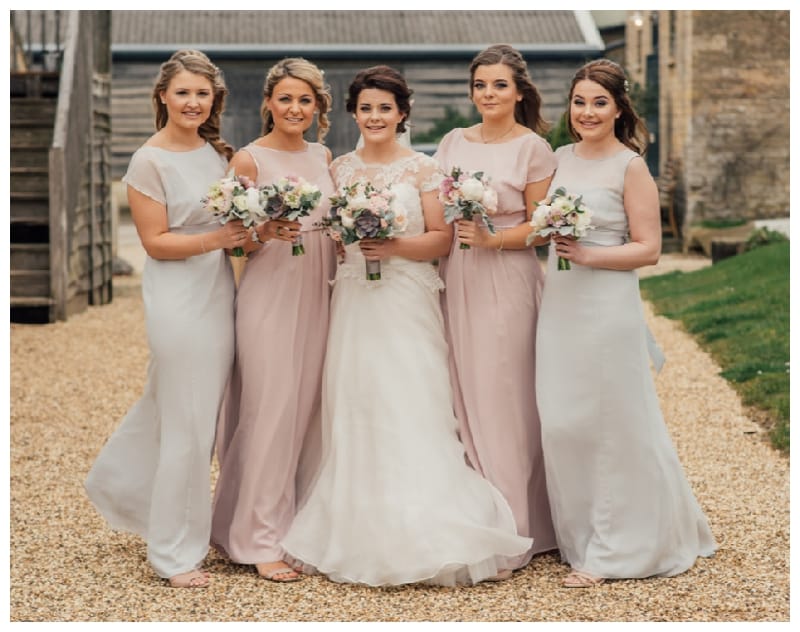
column 34, row 97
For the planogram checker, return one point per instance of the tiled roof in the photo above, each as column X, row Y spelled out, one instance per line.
column 343, row 28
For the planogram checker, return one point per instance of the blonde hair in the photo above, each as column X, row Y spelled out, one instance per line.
column 304, row 70
column 199, row 64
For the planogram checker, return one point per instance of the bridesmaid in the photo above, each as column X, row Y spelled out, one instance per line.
column 621, row 503
column 152, row 476
column 272, row 408
column 492, row 290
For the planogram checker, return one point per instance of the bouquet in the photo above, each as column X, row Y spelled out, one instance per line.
column 360, row 211
column 563, row 213
column 235, row 197
column 290, row 198
column 466, row 194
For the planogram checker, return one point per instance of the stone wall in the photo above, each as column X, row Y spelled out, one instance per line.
column 737, row 137
column 723, row 94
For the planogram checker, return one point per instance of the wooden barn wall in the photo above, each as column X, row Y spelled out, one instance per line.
column 435, row 85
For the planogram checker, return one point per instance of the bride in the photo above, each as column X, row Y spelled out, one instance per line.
column 394, row 501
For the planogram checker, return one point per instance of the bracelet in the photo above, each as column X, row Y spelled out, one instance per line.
column 202, row 244
column 502, row 238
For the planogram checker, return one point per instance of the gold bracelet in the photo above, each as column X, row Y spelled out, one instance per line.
column 202, row 244
column 502, row 238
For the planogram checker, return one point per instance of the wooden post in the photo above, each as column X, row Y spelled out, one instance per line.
column 59, row 269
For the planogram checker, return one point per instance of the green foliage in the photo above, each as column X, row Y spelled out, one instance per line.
column 722, row 223
column 644, row 99
column 452, row 118
column 559, row 134
column 739, row 311
column 763, row 237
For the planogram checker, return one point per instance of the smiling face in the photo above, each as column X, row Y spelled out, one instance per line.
column 292, row 105
column 494, row 92
column 188, row 98
column 377, row 115
column 592, row 111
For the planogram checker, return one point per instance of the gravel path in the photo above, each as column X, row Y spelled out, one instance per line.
column 71, row 382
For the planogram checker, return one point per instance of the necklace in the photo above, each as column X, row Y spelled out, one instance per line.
column 496, row 138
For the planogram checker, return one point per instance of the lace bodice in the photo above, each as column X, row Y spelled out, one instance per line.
column 407, row 178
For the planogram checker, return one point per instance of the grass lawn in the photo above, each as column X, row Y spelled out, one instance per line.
column 738, row 309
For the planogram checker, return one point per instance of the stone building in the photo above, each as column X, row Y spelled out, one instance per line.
column 717, row 85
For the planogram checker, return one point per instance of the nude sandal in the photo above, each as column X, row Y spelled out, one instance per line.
column 192, row 579
column 579, row 579
column 272, row 574
column 500, row 577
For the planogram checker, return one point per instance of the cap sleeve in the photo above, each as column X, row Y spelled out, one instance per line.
column 143, row 175
column 430, row 174
column 540, row 159
column 442, row 150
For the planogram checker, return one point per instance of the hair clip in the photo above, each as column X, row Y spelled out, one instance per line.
column 626, row 86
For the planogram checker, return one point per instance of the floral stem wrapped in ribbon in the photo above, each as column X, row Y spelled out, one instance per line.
column 235, row 197
column 466, row 194
column 360, row 211
column 290, row 198
column 563, row 213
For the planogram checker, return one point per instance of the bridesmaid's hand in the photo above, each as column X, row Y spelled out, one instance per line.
column 470, row 233
column 570, row 249
column 377, row 249
column 233, row 234
column 279, row 229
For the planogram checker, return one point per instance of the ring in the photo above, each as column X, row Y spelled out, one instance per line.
column 279, row 231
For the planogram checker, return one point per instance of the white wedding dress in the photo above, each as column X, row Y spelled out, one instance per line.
column 394, row 501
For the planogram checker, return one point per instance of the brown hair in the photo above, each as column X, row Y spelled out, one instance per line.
column 382, row 78
column 528, row 111
column 304, row 70
column 197, row 63
column 629, row 128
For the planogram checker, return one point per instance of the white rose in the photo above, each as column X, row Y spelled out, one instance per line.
column 472, row 189
column 240, row 202
column 308, row 189
column 539, row 218
column 400, row 222
column 360, row 201
column 253, row 204
column 489, row 200
column 564, row 205
column 227, row 186
column 583, row 223
column 347, row 220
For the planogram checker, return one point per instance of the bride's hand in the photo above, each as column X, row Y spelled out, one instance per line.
column 377, row 249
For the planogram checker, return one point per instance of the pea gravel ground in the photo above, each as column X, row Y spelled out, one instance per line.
column 71, row 382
